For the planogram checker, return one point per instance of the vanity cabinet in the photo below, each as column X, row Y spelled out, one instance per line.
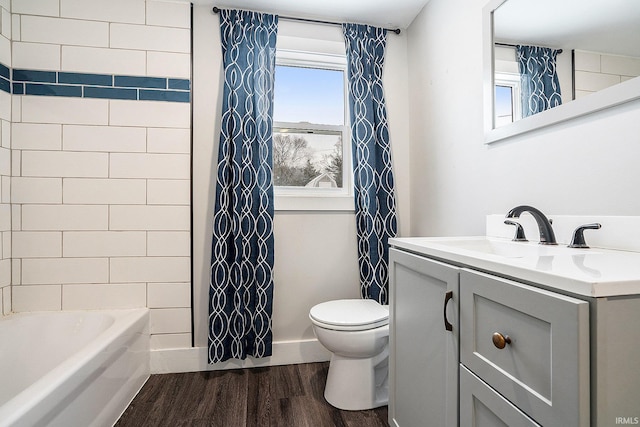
column 519, row 353
column 423, row 368
column 529, row 345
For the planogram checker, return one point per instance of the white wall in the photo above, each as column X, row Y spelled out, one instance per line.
column 315, row 252
column 587, row 166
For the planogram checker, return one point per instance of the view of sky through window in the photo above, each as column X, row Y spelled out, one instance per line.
column 308, row 95
column 504, row 105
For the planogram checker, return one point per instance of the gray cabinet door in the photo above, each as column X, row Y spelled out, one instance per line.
column 423, row 364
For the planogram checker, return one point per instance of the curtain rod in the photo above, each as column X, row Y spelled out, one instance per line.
column 315, row 21
column 513, row 45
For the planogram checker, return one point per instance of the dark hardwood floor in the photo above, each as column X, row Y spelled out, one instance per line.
column 277, row 396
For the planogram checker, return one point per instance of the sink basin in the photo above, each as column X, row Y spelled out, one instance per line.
column 596, row 272
column 507, row 248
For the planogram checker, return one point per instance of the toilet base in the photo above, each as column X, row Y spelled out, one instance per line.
column 357, row 384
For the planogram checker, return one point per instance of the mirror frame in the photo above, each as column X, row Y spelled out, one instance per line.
column 620, row 93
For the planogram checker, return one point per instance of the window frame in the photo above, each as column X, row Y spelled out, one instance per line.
column 513, row 81
column 310, row 198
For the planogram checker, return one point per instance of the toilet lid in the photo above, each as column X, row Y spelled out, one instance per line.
column 350, row 314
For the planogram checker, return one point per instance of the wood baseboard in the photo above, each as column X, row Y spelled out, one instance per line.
column 194, row 359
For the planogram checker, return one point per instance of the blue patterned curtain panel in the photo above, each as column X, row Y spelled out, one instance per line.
column 241, row 285
column 539, row 80
column 372, row 168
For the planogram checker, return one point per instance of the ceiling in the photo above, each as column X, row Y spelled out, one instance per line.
column 380, row 13
column 611, row 26
column 596, row 25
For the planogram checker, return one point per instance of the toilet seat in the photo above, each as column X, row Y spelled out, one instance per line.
column 350, row 315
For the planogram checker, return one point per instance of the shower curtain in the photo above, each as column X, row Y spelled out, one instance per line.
column 241, row 284
column 372, row 168
column 538, row 79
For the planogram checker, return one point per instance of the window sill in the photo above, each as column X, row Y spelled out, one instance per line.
column 314, row 203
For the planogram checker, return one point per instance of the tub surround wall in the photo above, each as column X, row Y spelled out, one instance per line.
column 101, row 163
column 5, row 159
column 596, row 71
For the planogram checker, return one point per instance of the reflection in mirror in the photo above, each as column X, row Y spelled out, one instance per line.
column 597, row 44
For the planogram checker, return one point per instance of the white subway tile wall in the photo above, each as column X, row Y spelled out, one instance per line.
column 105, row 191
column 6, row 252
column 102, row 60
column 111, row 139
column 40, row 29
column 595, row 71
column 170, row 320
column 5, row 49
column 161, row 63
column 59, row 110
column 99, row 297
column 36, row 55
column 36, row 190
column 36, row 298
column 131, row 11
column 37, row 244
column 148, row 37
column 104, row 243
column 170, row 340
column 149, row 114
column 99, row 188
column 36, row 7
column 36, row 136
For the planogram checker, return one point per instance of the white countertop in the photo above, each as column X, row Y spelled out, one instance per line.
column 592, row 272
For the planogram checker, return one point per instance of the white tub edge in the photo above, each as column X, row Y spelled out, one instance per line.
column 52, row 392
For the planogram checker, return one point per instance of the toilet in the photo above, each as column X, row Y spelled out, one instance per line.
column 356, row 331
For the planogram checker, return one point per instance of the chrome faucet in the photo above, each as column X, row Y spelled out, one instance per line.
column 547, row 237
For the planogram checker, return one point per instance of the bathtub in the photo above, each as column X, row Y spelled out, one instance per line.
column 74, row 368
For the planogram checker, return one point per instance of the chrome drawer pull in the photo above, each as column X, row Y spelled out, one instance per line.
column 500, row 341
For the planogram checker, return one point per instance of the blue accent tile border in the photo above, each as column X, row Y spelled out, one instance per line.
column 86, row 85
column 53, row 90
column 5, row 85
column 139, row 82
column 164, row 95
column 85, row 79
column 110, row 93
column 34, row 76
column 5, row 72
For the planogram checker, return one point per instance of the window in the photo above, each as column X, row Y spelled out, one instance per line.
column 507, row 105
column 311, row 161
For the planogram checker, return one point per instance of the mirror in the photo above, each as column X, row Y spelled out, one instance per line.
column 598, row 66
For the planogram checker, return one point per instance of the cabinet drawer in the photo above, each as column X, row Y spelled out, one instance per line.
column 482, row 406
column 543, row 368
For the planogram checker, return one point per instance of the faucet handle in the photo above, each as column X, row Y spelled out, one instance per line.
column 577, row 241
column 519, row 237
